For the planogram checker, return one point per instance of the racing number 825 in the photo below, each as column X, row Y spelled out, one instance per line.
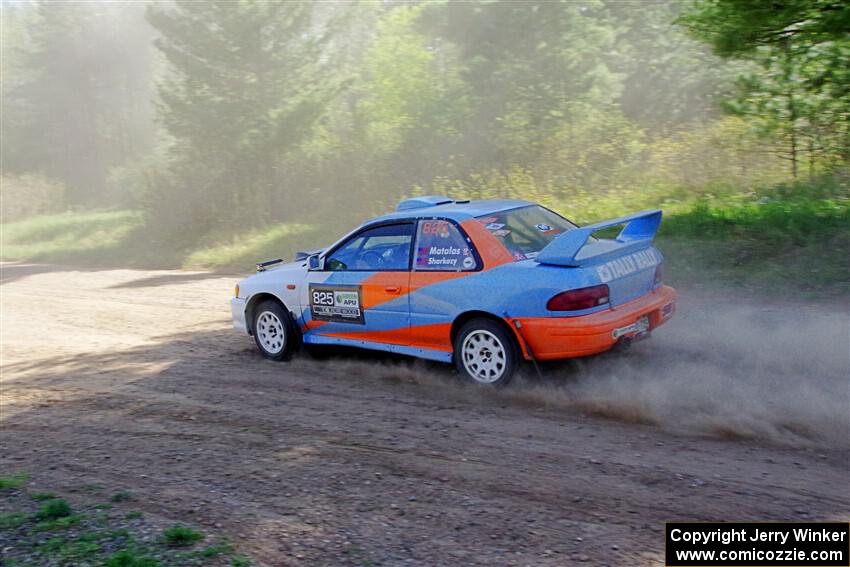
column 323, row 298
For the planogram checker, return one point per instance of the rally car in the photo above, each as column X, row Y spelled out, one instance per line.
column 483, row 284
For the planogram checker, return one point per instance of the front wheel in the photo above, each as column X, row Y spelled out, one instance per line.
column 274, row 331
column 484, row 353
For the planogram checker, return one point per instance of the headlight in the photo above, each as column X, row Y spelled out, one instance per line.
column 236, row 291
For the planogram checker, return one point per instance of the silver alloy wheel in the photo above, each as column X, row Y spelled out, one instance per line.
column 484, row 356
column 271, row 332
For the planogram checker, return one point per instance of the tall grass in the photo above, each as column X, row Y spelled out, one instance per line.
column 787, row 238
column 67, row 236
column 246, row 249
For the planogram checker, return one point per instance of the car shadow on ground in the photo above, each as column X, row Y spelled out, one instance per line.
column 169, row 278
column 13, row 271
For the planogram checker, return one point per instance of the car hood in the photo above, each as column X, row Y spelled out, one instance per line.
column 262, row 280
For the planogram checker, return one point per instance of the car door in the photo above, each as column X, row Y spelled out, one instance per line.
column 361, row 291
column 444, row 256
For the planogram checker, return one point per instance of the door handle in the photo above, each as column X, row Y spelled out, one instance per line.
column 392, row 289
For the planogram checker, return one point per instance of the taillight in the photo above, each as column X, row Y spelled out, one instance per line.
column 577, row 299
column 659, row 274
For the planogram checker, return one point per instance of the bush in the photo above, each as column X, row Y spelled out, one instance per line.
column 13, row 481
column 181, row 536
column 127, row 558
column 29, row 195
column 53, row 509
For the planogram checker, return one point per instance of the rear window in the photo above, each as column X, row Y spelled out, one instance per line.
column 527, row 230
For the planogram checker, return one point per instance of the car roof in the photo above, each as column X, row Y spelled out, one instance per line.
column 454, row 210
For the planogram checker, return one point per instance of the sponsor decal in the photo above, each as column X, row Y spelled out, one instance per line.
column 627, row 265
column 450, row 257
column 337, row 303
column 543, row 227
column 443, row 256
column 495, row 226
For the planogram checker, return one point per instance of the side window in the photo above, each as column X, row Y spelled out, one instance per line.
column 380, row 249
column 441, row 247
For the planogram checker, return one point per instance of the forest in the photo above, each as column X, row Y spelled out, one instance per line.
column 220, row 133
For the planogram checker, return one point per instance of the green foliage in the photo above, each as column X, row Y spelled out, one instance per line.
column 247, row 83
column 78, row 95
column 42, row 495
column 26, row 196
column 80, row 550
column 282, row 124
column 97, row 539
column 53, row 509
column 52, row 544
column 736, row 28
column 121, row 496
column 240, row 561
column 134, row 515
column 127, row 558
column 181, row 536
column 246, row 249
column 781, row 223
column 67, row 235
column 216, row 550
column 798, row 90
column 12, row 520
column 62, row 523
column 14, row 481
column 788, row 238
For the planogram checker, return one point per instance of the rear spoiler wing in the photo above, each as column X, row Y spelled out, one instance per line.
column 572, row 248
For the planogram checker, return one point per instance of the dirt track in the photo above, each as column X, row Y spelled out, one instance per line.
column 133, row 381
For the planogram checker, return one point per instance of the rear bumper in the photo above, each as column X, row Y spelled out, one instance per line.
column 566, row 337
column 237, row 311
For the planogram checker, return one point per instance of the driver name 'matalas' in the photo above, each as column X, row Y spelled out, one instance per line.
column 443, row 254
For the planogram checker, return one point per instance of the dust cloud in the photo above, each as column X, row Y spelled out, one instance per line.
column 777, row 373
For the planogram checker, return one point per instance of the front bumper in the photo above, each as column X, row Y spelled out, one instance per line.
column 566, row 337
column 237, row 311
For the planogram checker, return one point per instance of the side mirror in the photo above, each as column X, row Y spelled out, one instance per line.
column 314, row 262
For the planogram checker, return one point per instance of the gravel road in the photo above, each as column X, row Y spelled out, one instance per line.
column 133, row 380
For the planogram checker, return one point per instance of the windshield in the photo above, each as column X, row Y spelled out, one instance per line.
column 527, row 230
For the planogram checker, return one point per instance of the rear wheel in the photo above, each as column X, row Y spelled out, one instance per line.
column 274, row 331
column 484, row 353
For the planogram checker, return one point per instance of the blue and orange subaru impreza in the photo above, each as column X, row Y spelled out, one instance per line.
column 482, row 284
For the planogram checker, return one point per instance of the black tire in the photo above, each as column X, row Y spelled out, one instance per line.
column 274, row 331
column 490, row 360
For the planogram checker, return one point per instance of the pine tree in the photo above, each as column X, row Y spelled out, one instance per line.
column 798, row 96
column 246, row 84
